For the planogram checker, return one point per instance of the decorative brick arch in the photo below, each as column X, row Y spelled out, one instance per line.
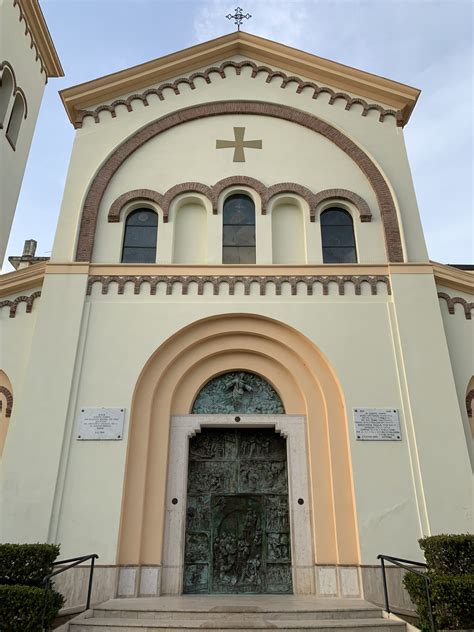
column 185, row 187
column 128, row 147
column 344, row 194
column 137, row 194
column 298, row 189
column 9, row 397
column 245, row 181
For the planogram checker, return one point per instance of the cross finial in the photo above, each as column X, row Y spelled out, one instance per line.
column 238, row 17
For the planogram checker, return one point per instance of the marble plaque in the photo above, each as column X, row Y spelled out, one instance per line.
column 100, row 424
column 377, row 424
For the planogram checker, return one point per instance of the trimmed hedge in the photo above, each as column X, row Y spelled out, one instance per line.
column 453, row 605
column 449, row 554
column 450, row 562
column 26, row 564
column 21, row 608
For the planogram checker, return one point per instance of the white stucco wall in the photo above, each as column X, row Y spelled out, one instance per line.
column 460, row 337
column 15, row 48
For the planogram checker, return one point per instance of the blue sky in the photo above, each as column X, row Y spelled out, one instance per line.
column 424, row 43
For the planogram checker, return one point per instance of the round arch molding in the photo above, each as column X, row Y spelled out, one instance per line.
column 105, row 173
column 307, row 386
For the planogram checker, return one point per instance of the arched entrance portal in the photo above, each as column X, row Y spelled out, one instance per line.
column 314, row 424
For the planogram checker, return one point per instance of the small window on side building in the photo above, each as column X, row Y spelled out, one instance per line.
column 16, row 117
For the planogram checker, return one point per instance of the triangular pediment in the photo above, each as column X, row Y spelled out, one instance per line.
column 296, row 62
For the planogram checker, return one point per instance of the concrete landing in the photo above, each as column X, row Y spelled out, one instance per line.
column 286, row 613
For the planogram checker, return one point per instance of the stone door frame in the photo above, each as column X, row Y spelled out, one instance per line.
column 293, row 428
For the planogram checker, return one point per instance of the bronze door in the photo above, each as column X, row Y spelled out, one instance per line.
column 237, row 523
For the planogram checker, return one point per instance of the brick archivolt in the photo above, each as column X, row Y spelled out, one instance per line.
column 213, row 193
column 452, row 301
column 117, row 158
column 9, row 398
column 268, row 285
column 220, row 71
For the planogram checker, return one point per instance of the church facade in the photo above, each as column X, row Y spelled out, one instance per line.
column 239, row 372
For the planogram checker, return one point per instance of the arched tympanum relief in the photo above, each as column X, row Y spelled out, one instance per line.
column 238, row 392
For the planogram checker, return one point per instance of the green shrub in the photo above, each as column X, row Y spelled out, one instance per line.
column 21, row 608
column 26, row 564
column 453, row 606
column 449, row 554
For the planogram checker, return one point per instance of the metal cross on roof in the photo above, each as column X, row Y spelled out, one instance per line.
column 238, row 17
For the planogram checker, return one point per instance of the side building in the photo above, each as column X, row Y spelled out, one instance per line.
column 239, row 325
column 27, row 60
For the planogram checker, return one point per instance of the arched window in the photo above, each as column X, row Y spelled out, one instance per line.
column 238, row 243
column 6, row 91
column 18, row 112
column 337, row 235
column 139, row 241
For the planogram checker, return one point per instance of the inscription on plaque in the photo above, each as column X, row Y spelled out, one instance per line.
column 100, row 424
column 377, row 424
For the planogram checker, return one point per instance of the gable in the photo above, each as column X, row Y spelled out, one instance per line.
column 289, row 64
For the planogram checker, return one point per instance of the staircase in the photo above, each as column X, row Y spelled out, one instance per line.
column 286, row 613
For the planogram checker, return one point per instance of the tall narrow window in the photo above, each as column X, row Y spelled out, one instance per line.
column 139, row 242
column 6, row 91
column 238, row 243
column 18, row 112
column 337, row 235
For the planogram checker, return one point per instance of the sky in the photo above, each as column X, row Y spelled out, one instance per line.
column 424, row 43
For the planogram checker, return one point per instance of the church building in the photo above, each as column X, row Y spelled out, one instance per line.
column 239, row 372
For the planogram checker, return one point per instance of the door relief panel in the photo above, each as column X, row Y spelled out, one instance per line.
column 237, row 523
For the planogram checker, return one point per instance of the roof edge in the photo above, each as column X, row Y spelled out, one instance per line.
column 359, row 82
column 453, row 277
column 42, row 37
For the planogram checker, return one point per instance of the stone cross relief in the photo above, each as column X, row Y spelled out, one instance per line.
column 239, row 144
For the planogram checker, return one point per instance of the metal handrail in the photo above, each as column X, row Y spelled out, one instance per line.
column 71, row 562
column 402, row 563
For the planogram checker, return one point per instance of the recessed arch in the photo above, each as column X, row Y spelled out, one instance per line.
column 7, row 89
column 105, row 173
column 168, row 385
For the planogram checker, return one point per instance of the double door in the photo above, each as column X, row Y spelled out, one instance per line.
column 237, row 521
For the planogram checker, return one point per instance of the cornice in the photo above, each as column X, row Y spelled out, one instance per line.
column 453, row 277
column 396, row 95
column 41, row 40
column 19, row 280
column 220, row 71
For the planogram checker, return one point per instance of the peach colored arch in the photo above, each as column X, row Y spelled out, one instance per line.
column 6, row 398
column 307, row 386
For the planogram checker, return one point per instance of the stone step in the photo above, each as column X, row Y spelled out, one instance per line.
column 236, row 614
column 191, row 625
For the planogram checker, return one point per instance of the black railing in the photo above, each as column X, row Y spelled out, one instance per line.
column 400, row 562
column 70, row 563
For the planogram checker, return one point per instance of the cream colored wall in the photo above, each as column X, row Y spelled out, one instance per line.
column 15, row 48
column 33, row 457
column 91, row 353
column 382, row 141
column 460, row 339
column 15, row 343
